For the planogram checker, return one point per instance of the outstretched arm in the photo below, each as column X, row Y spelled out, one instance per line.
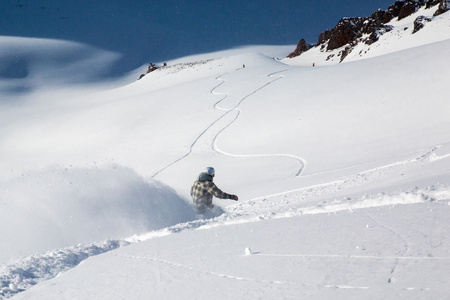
column 214, row 190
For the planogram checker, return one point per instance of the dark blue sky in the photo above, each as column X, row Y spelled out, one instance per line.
column 157, row 30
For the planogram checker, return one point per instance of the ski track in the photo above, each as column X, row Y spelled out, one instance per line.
column 194, row 270
column 227, row 112
column 216, row 149
column 20, row 275
column 179, row 266
column 294, row 197
column 403, row 251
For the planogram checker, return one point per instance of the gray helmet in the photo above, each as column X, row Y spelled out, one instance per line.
column 210, row 171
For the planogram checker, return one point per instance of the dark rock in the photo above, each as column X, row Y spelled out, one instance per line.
column 431, row 3
column 376, row 33
column 444, row 6
column 378, row 15
column 402, row 9
column 351, row 31
column 420, row 22
column 323, row 37
column 152, row 67
column 345, row 52
column 301, row 47
column 345, row 32
column 392, row 11
column 408, row 9
column 348, row 30
column 370, row 25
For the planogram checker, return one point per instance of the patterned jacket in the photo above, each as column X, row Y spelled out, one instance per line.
column 204, row 189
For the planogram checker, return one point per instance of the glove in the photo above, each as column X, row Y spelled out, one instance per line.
column 235, row 198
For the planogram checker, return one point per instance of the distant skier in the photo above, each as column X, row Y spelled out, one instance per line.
column 204, row 189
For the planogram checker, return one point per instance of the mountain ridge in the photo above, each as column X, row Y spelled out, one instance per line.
column 349, row 32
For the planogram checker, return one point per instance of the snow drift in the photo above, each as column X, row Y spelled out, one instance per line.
column 60, row 207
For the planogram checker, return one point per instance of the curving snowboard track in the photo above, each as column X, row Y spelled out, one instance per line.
column 214, row 146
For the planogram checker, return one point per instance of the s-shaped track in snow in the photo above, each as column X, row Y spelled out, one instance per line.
column 228, row 111
column 236, row 108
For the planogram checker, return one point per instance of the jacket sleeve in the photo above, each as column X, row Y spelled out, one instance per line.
column 214, row 190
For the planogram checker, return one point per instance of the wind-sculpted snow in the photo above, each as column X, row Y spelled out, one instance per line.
column 29, row 64
column 59, row 207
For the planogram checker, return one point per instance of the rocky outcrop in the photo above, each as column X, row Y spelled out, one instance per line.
column 444, row 6
column 348, row 30
column 408, row 9
column 432, row 3
column 323, row 37
column 351, row 31
column 345, row 32
column 152, row 67
column 403, row 9
column 301, row 47
column 420, row 22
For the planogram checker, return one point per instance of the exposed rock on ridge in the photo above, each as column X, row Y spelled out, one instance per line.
column 301, row 47
column 351, row 31
column 444, row 6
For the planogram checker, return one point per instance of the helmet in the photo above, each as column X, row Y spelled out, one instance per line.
column 210, row 171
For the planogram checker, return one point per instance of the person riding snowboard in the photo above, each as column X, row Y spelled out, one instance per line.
column 204, row 189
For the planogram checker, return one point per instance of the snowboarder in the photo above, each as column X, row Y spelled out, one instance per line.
column 204, row 189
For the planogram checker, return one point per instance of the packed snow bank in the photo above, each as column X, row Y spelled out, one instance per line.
column 60, row 207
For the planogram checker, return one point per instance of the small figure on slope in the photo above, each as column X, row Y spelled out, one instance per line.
column 204, row 189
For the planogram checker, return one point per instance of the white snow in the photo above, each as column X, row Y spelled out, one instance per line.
column 342, row 173
column 398, row 39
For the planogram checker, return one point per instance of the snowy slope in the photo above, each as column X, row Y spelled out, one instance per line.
column 365, row 254
column 342, row 173
column 401, row 37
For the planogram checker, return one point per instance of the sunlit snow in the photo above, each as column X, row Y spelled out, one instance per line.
column 342, row 173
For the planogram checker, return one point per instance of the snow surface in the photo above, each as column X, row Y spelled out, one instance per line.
column 400, row 38
column 343, row 174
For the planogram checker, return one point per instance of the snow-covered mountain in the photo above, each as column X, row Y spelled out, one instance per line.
column 342, row 171
column 404, row 24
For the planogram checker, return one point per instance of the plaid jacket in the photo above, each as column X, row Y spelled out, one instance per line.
column 204, row 189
